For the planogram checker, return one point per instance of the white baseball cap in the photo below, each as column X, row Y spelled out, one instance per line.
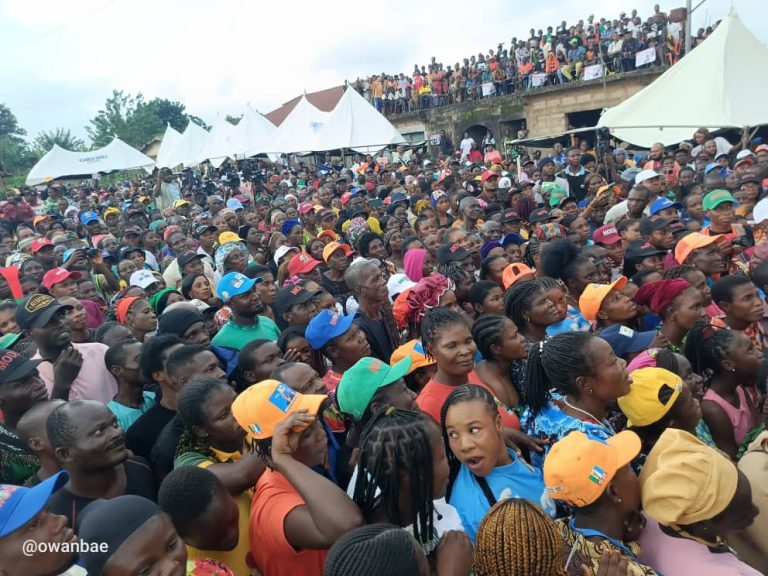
column 397, row 284
column 142, row 279
column 646, row 175
column 760, row 211
column 282, row 251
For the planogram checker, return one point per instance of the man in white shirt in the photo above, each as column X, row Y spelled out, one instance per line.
column 466, row 145
column 166, row 190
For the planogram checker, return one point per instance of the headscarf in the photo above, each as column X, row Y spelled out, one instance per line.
column 223, row 252
column 122, row 308
column 17, row 258
column 658, row 296
column 97, row 239
column 155, row 224
column 436, row 196
column 25, row 245
column 111, row 522
column 274, row 216
column 413, row 263
column 170, row 230
column 178, row 320
column 412, row 304
column 357, row 227
column 288, row 225
column 159, row 299
column 550, row 231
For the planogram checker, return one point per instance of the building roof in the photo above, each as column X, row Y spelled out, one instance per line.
column 325, row 100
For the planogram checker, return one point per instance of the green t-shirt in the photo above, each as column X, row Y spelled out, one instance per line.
column 236, row 336
column 126, row 415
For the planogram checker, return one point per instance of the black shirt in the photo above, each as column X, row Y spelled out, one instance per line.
column 164, row 449
column 139, row 481
column 382, row 342
column 143, row 433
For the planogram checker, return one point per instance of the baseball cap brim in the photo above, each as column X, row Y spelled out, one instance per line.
column 46, row 315
column 31, row 502
column 396, row 371
column 24, row 369
column 594, row 294
column 302, row 298
column 641, row 341
column 244, row 287
column 338, row 329
column 625, row 445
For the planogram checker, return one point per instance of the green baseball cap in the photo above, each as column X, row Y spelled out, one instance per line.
column 9, row 340
column 556, row 194
column 713, row 199
column 359, row 384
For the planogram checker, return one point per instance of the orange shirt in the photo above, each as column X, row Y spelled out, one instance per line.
column 273, row 500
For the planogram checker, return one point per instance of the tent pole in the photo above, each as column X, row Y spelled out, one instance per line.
column 688, row 21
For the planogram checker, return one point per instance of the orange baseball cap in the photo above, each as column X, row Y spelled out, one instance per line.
column 415, row 350
column 259, row 408
column 594, row 294
column 578, row 469
column 514, row 272
column 331, row 247
column 694, row 241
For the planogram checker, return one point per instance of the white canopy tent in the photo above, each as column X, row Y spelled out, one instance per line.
column 167, row 145
column 299, row 131
column 251, row 133
column 59, row 163
column 217, row 146
column 355, row 124
column 717, row 85
column 188, row 147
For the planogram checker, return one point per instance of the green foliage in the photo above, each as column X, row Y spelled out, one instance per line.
column 61, row 136
column 9, row 125
column 15, row 157
column 234, row 120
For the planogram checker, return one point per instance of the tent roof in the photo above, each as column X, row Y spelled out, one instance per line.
column 250, row 133
column 59, row 163
column 299, row 131
column 715, row 86
column 354, row 123
column 216, row 147
column 325, row 100
column 170, row 139
column 188, row 147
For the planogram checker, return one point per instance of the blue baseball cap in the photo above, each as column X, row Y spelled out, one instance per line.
column 235, row 204
column 233, row 284
column 325, row 327
column 400, row 197
column 663, row 204
column 19, row 505
column 88, row 216
column 511, row 238
column 624, row 340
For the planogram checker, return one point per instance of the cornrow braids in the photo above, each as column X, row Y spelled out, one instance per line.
column 518, row 300
column 373, row 550
column 706, row 347
column 555, row 364
column 435, row 320
column 454, row 272
column 517, row 537
column 680, row 271
column 487, row 332
column 191, row 406
column 549, row 283
column 395, row 444
column 463, row 393
column 665, row 358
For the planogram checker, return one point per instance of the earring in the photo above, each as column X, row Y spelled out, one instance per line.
column 618, row 500
column 527, row 319
column 589, row 391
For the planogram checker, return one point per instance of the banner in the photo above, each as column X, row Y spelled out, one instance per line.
column 488, row 88
column 647, row 56
column 538, row 79
column 593, row 72
column 434, row 139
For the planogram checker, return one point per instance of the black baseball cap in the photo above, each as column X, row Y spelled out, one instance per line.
column 540, row 215
column 200, row 229
column 451, row 253
column 37, row 310
column 641, row 249
column 125, row 250
column 510, row 215
column 14, row 366
column 186, row 257
column 289, row 296
column 653, row 223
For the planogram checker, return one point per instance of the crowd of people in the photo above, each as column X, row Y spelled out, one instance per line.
column 436, row 365
column 557, row 55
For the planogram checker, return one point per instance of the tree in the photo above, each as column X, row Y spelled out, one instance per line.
column 15, row 156
column 61, row 136
column 235, row 120
column 9, row 125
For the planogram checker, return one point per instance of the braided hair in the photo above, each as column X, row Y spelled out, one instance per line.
column 680, row 271
column 191, row 407
column 487, row 331
column 555, row 364
column 373, row 550
column 454, row 272
column 394, row 445
column 517, row 537
column 706, row 347
column 518, row 300
column 434, row 321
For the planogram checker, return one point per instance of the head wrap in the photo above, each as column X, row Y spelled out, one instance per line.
column 646, row 359
column 412, row 304
column 25, row 245
column 159, row 299
column 17, row 258
column 155, row 224
column 413, row 263
column 357, row 227
column 170, row 230
column 98, row 238
column 658, row 296
column 436, row 196
column 288, row 225
column 549, row 231
column 223, row 252
column 98, row 524
column 178, row 320
column 274, row 216
column 122, row 307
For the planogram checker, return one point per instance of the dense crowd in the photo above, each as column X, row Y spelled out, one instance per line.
column 559, row 55
column 399, row 366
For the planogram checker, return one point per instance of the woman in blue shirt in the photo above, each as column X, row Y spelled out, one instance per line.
column 482, row 469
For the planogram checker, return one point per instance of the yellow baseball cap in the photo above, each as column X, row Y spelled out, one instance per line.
column 180, row 203
column 228, row 236
column 111, row 210
column 259, row 408
column 415, row 350
column 578, row 469
column 652, row 394
column 593, row 295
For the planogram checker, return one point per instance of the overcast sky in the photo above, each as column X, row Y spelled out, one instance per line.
column 61, row 59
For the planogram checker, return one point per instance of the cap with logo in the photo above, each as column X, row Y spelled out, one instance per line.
column 261, row 407
column 58, row 275
column 19, row 505
column 713, row 199
column 234, row 284
column 607, row 235
column 88, row 216
column 664, row 203
column 510, row 215
column 201, row 229
column 39, row 243
column 540, row 215
column 397, row 284
column 452, row 253
column 359, row 384
column 641, row 249
column 14, row 366
column 592, row 297
column 289, row 296
column 578, row 469
column 326, row 326
column 414, row 350
column 624, row 340
column 653, row 223
column 302, row 264
column 37, row 310
column 651, row 396
column 142, row 279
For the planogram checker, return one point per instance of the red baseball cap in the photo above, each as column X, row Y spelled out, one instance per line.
column 301, row 264
column 606, row 235
column 345, row 197
column 305, row 207
column 488, row 174
column 58, row 275
column 40, row 243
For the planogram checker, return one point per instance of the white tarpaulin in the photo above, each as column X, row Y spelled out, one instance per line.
column 251, row 133
column 298, row 132
column 717, row 85
column 188, row 147
column 217, row 145
column 355, row 124
column 170, row 140
column 59, row 163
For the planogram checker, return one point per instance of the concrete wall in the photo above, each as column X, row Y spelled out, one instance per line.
column 544, row 109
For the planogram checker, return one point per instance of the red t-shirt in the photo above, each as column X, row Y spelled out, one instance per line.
column 273, row 499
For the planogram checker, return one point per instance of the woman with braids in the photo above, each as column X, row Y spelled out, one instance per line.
column 527, row 305
column 482, row 469
column 446, row 337
column 463, row 280
column 677, row 303
column 402, row 478
column 212, row 439
column 504, row 350
column 730, row 362
column 570, row 381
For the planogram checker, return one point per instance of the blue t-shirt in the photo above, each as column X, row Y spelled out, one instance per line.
column 127, row 415
column 573, row 322
column 515, row 480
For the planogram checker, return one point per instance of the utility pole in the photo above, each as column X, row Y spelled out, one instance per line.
column 688, row 20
